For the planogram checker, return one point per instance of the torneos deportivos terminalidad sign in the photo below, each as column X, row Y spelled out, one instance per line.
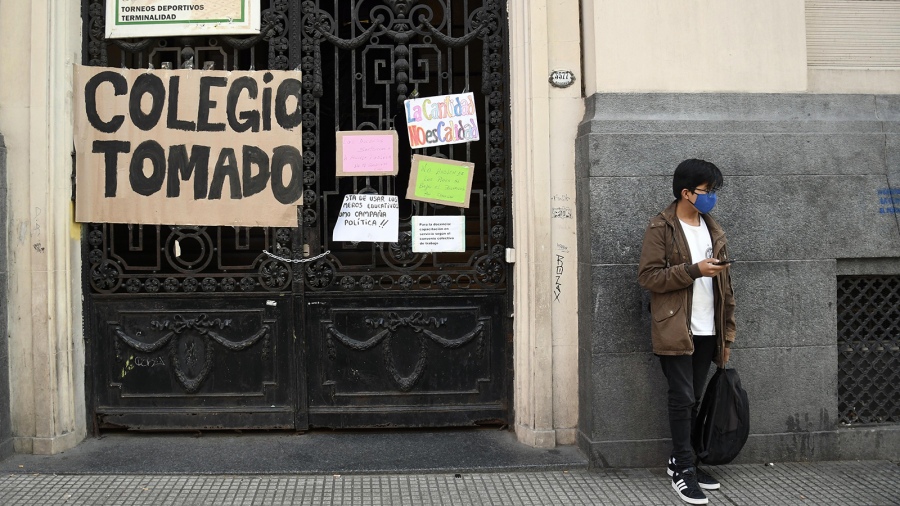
column 162, row 18
column 188, row 147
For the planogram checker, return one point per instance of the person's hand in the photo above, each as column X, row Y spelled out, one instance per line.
column 723, row 359
column 709, row 267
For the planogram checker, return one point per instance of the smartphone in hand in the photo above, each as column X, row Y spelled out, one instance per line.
column 725, row 262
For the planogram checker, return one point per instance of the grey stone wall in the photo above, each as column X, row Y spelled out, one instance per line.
column 6, row 445
column 800, row 206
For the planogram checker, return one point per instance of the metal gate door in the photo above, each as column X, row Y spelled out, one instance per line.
column 219, row 327
column 397, row 338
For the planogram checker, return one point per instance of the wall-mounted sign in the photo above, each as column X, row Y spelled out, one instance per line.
column 162, row 18
column 188, row 147
column 367, row 153
column 440, row 181
column 445, row 119
column 433, row 234
column 562, row 78
column 368, row 218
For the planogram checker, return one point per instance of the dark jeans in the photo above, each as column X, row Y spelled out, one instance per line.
column 687, row 375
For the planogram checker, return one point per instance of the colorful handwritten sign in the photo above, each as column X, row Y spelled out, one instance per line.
column 432, row 234
column 445, row 119
column 368, row 218
column 440, row 181
column 367, row 153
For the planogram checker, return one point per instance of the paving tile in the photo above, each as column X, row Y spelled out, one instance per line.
column 868, row 483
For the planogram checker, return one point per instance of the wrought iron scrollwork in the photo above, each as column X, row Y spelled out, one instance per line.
column 135, row 259
column 168, row 259
column 868, row 345
column 361, row 60
column 420, row 326
column 188, row 329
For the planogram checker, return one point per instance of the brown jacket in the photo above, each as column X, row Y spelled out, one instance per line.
column 668, row 272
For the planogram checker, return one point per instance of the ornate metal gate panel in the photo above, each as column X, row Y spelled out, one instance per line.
column 192, row 327
column 200, row 327
column 395, row 337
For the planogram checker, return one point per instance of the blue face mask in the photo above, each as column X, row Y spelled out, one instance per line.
column 705, row 202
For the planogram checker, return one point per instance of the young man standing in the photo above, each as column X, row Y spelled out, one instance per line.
column 685, row 266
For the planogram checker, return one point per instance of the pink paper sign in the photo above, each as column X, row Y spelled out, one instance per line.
column 367, row 153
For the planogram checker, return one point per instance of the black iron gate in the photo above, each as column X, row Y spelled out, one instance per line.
column 222, row 327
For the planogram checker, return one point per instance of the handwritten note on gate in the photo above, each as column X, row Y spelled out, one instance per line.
column 432, row 234
column 367, row 153
column 368, row 218
column 440, row 181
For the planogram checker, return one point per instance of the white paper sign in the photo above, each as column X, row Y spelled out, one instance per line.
column 444, row 119
column 161, row 18
column 368, row 218
column 433, row 234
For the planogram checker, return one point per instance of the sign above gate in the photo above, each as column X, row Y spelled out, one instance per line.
column 164, row 18
column 188, row 147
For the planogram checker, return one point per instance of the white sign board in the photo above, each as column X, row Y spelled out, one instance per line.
column 445, row 119
column 432, row 234
column 163, row 18
column 368, row 218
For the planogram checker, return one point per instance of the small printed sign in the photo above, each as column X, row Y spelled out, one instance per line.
column 367, row 153
column 440, row 120
column 368, row 218
column 436, row 234
column 440, row 181
column 164, row 18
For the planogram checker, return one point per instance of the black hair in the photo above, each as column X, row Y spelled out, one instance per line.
column 692, row 173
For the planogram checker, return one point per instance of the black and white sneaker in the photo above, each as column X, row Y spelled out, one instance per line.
column 704, row 479
column 684, row 481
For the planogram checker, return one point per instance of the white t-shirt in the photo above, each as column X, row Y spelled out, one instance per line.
column 703, row 321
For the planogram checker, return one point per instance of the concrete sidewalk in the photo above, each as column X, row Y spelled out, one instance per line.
column 397, row 467
column 866, row 483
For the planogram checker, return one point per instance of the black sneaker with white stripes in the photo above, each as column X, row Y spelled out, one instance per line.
column 705, row 481
column 684, row 481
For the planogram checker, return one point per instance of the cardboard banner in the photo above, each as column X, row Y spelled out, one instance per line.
column 164, row 18
column 367, row 153
column 368, row 218
column 188, row 147
column 440, row 181
column 434, row 234
column 445, row 119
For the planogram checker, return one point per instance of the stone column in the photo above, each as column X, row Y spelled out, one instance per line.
column 543, row 36
column 42, row 41
column 6, row 446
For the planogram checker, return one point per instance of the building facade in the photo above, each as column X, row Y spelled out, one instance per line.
column 540, row 324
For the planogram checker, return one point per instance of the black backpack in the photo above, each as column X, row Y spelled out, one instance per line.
column 723, row 423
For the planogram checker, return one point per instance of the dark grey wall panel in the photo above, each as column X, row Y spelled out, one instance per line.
column 788, row 303
column 629, row 397
column 791, row 388
column 805, row 176
column 619, row 318
column 771, row 310
column 766, row 218
column 769, row 154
